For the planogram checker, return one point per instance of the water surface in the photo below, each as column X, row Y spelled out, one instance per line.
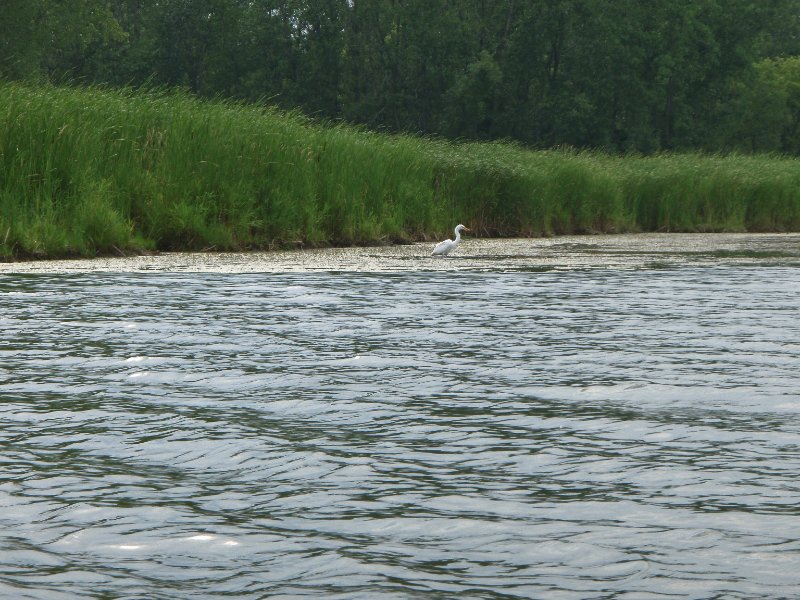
column 614, row 421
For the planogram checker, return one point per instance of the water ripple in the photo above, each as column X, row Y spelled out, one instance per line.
column 585, row 434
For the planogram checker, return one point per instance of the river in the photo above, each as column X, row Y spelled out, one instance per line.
column 589, row 417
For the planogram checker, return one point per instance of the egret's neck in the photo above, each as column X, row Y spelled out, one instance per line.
column 458, row 235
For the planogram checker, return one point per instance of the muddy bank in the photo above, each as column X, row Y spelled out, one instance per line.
column 633, row 251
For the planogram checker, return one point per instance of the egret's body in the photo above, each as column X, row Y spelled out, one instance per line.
column 446, row 247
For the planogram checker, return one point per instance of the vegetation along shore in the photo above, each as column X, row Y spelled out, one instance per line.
column 87, row 171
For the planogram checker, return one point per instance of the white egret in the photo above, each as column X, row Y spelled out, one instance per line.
column 444, row 248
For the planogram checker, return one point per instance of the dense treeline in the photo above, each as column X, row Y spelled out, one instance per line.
column 620, row 75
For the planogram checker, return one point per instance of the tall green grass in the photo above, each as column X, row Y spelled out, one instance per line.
column 87, row 171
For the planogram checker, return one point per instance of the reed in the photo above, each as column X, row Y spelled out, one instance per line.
column 89, row 170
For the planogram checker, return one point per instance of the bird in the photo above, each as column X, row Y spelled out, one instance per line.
column 444, row 248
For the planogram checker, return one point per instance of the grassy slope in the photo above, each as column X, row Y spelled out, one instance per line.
column 86, row 171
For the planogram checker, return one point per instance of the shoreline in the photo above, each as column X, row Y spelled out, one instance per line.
column 574, row 252
column 178, row 173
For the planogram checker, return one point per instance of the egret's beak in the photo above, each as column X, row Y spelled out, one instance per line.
column 467, row 228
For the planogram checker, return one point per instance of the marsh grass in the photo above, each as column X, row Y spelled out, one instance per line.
column 88, row 171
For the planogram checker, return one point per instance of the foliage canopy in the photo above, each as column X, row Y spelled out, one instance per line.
column 621, row 75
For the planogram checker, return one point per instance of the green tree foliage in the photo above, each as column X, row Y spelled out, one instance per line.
column 764, row 111
column 622, row 75
column 19, row 50
column 54, row 37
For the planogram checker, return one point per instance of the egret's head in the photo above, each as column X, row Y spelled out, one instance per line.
column 460, row 227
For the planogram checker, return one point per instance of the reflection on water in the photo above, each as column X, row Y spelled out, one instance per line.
column 583, row 434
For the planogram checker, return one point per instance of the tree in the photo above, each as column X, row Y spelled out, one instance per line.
column 623, row 75
column 53, row 38
column 472, row 100
column 763, row 114
column 20, row 47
